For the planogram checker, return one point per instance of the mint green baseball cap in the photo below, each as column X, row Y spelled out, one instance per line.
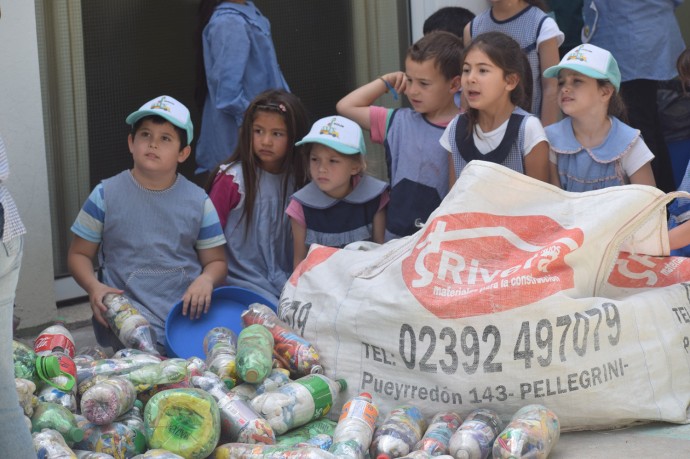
column 169, row 108
column 339, row 133
column 589, row 60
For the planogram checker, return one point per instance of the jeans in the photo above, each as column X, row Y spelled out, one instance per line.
column 15, row 437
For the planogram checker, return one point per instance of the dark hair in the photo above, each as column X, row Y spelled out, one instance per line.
column 616, row 106
column 160, row 120
column 504, row 53
column 683, row 66
column 449, row 19
column 444, row 47
column 293, row 112
column 206, row 9
column 539, row 4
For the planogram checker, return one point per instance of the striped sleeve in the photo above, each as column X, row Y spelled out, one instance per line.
column 210, row 234
column 89, row 223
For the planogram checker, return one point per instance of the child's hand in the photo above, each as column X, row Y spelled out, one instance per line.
column 398, row 80
column 197, row 298
column 96, row 295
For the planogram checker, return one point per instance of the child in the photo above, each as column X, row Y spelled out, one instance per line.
column 156, row 234
column 341, row 205
column 592, row 148
column 251, row 192
column 538, row 36
column 679, row 210
column 495, row 128
column 452, row 19
column 417, row 166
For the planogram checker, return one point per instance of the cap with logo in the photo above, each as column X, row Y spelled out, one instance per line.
column 589, row 60
column 169, row 108
column 339, row 133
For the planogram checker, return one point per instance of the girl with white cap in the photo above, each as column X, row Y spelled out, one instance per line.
column 591, row 148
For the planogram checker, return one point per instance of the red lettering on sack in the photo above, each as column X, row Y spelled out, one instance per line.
column 645, row 271
column 475, row 263
column 316, row 256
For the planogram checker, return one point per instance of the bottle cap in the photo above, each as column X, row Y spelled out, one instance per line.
column 343, row 384
column 251, row 376
column 316, row 369
column 365, row 395
column 76, row 434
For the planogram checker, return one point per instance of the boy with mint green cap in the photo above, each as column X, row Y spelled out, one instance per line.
column 161, row 241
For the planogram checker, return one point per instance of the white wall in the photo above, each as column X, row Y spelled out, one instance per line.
column 21, row 126
column 422, row 9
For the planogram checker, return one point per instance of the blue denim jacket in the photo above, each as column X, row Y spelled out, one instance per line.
column 240, row 63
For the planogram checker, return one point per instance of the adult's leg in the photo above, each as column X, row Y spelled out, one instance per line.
column 640, row 98
column 15, row 436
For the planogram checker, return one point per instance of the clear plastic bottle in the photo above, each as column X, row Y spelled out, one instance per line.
column 56, row 341
column 355, row 429
column 58, row 418
column 50, row 394
column 437, row 436
column 531, row 434
column 254, row 353
column 108, row 400
column 81, row 454
column 305, row 399
column 236, row 450
column 238, row 420
column 114, row 366
column 49, row 444
column 165, row 372
column 398, row 434
column 276, row 378
column 24, row 361
column 220, row 347
column 116, row 439
column 54, row 338
column 132, row 329
column 134, row 419
column 476, row 435
column 297, row 353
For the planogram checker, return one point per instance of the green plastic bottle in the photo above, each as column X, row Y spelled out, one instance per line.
column 57, row 417
column 254, row 353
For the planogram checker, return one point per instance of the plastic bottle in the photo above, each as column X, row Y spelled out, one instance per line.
column 55, row 338
column 437, row 436
column 165, row 372
column 132, row 329
column 304, row 433
column 56, row 417
column 220, row 347
column 239, row 421
column 531, row 434
column 298, row 353
column 398, row 434
column 116, row 439
column 108, row 400
column 49, row 444
column 305, row 399
column 237, row 450
column 57, row 370
column 25, row 392
column 57, row 341
column 157, row 454
column 475, row 436
column 81, row 454
column 321, row 441
column 106, row 367
column 50, row 394
column 24, row 361
column 183, row 421
column 355, row 429
column 254, row 353
column 134, row 419
column 276, row 378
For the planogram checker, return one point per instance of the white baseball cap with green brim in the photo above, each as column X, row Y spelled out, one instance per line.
column 339, row 133
column 591, row 61
column 168, row 108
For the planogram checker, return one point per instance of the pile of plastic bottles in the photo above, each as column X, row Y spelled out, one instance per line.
column 259, row 395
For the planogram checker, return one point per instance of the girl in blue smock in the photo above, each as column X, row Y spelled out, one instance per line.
column 251, row 190
column 591, row 148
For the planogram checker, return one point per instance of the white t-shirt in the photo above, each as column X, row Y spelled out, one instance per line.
column 486, row 142
column 549, row 29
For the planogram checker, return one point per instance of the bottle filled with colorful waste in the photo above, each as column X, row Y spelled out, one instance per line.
column 244, row 451
column 299, row 355
column 183, row 421
column 355, row 429
column 116, row 439
column 437, row 436
column 254, row 353
column 239, row 421
column 294, row 404
column 168, row 371
column 24, row 361
column 220, row 348
column 48, row 443
column 113, row 366
column 81, row 454
column 398, row 434
column 276, row 378
column 322, row 426
column 531, row 434
column 475, row 436
column 132, row 329
column 58, row 418
column 108, row 400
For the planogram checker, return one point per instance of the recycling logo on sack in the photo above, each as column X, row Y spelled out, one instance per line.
column 472, row 264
